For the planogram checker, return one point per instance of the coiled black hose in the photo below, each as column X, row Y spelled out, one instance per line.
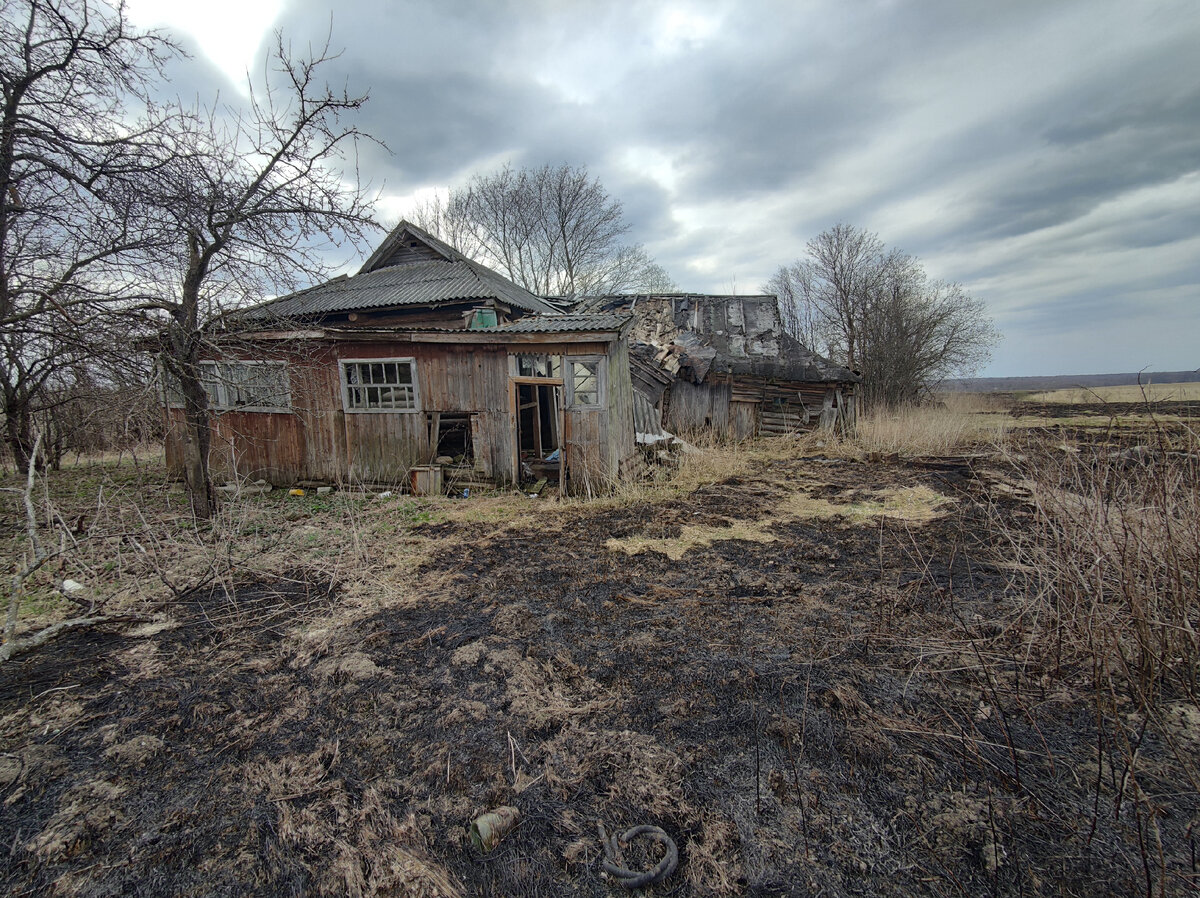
column 633, row 879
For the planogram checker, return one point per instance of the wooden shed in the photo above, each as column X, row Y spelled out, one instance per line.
column 725, row 366
column 421, row 356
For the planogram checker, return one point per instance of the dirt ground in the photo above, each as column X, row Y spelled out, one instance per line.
column 809, row 674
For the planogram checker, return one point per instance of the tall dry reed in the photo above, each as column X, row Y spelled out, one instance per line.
column 936, row 429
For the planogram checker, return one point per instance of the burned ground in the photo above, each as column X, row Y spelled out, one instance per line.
column 811, row 675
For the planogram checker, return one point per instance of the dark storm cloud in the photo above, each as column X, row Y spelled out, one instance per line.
column 1038, row 152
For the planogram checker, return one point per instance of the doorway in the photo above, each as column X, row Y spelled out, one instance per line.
column 539, row 431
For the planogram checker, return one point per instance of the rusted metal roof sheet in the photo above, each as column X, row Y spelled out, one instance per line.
column 418, row 283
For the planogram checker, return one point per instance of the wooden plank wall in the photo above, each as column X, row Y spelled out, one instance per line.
column 619, row 437
column 696, row 407
column 742, row 407
column 599, row 441
column 743, row 419
column 318, row 440
column 382, row 446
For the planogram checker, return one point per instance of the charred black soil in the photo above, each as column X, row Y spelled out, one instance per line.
column 821, row 705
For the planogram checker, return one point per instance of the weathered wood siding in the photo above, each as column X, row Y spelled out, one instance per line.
column 600, row 442
column 695, row 407
column 743, row 419
column 319, row 440
column 741, row 407
column 620, row 438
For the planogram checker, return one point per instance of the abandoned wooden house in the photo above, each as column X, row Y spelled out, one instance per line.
column 725, row 365
column 427, row 363
column 422, row 355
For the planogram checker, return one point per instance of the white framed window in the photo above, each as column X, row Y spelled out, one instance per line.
column 379, row 385
column 586, row 381
column 250, row 386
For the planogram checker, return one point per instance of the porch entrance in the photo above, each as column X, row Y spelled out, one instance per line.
column 539, row 406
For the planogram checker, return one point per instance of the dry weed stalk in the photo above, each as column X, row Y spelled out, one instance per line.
column 1109, row 574
column 1112, row 565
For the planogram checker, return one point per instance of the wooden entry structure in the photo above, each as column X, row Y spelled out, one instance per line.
column 540, row 428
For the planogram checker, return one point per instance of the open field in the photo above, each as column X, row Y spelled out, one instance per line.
column 821, row 668
column 1181, row 392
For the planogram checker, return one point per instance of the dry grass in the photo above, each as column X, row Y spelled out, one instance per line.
column 921, row 430
column 1113, row 564
column 692, row 537
column 1108, row 572
column 1128, row 393
column 976, row 403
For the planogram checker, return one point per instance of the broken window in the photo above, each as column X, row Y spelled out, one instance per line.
column 586, row 382
column 539, row 365
column 245, row 386
column 379, row 385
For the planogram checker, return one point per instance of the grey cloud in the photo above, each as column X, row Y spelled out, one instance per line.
column 784, row 91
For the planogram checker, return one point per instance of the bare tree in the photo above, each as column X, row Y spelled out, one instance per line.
column 917, row 332
column 554, row 230
column 798, row 316
column 71, row 156
column 255, row 200
column 877, row 311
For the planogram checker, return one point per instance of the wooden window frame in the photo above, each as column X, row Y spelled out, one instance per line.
column 553, row 360
column 601, row 363
column 391, row 360
column 220, row 401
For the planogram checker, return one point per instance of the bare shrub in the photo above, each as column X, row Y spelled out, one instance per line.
column 1112, row 565
column 1108, row 574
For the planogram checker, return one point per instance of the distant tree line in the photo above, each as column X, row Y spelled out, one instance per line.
column 876, row 311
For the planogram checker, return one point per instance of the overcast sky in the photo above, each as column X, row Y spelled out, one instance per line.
column 1044, row 154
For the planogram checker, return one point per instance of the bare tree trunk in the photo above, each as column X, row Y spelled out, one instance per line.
column 36, row 555
column 18, row 429
column 186, row 339
column 196, row 443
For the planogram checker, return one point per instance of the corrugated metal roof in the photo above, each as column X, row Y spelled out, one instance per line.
column 418, row 283
column 554, row 324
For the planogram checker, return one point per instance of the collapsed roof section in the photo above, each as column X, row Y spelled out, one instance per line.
column 692, row 335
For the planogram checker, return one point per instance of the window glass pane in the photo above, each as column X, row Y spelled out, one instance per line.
column 210, row 378
column 380, row 385
column 530, row 365
column 585, row 382
column 232, row 385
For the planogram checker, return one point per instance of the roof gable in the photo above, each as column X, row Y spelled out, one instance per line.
column 410, row 267
column 407, row 243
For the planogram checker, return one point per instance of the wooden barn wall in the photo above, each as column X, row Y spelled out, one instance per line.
column 318, row 440
column 620, row 439
column 383, row 446
column 742, row 407
column 743, row 419
column 598, row 441
column 693, row 407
